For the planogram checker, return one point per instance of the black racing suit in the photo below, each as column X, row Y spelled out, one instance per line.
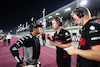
column 31, row 49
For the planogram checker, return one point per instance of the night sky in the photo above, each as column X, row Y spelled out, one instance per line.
column 15, row 12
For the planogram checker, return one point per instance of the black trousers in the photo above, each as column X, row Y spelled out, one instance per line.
column 4, row 42
column 63, row 62
column 8, row 42
column 43, row 41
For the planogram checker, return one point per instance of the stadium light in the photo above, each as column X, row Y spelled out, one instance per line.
column 32, row 19
column 20, row 25
column 84, row 2
column 61, row 17
column 45, row 19
column 68, row 9
column 10, row 30
column 57, row 13
column 1, row 30
column 40, row 21
column 50, row 17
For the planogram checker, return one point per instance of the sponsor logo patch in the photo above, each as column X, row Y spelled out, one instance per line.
column 95, row 38
column 92, row 30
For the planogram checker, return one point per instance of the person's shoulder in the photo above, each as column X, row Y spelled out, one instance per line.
column 92, row 26
column 94, row 22
column 55, row 32
column 64, row 31
column 27, row 36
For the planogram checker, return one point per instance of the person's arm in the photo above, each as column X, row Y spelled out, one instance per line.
column 11, row 36
column 67, row 39
column 91, row 54
column 15, row 53
column 7, row 37
column 61, row 45
column 18, row 44
column 58, row 45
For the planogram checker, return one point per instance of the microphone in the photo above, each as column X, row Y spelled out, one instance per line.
column 49, row 38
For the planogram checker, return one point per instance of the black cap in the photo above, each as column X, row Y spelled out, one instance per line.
column 34, row 25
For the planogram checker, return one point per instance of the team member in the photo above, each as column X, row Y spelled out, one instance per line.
column 31, row 47
column 43, row 38
column 62, row 39
column 4, row 39
column 9, row 38
column 89, row 46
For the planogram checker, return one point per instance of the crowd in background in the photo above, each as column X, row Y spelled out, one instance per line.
column 67, row 22
column 70, row 22
column 5, row 37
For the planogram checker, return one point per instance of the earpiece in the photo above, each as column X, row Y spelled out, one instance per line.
column 79, row 13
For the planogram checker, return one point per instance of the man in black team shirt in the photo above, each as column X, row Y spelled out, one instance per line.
column 62, row 39
column 89, row 46
column 31, row 47
column 43, row 38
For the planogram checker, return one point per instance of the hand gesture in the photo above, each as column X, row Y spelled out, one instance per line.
column 24, row 64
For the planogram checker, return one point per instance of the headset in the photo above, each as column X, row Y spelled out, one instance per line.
column 79, row 12
column 59, row 20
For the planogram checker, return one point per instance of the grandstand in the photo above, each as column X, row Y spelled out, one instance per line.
column 64, row 13
column 68, row 22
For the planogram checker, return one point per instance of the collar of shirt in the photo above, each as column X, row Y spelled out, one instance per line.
column 59, row 32
column 33, row 34
column 88, row 22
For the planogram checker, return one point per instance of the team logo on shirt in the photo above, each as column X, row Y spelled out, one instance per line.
column 95, row 38
column 92, row 30
column 66, row 33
